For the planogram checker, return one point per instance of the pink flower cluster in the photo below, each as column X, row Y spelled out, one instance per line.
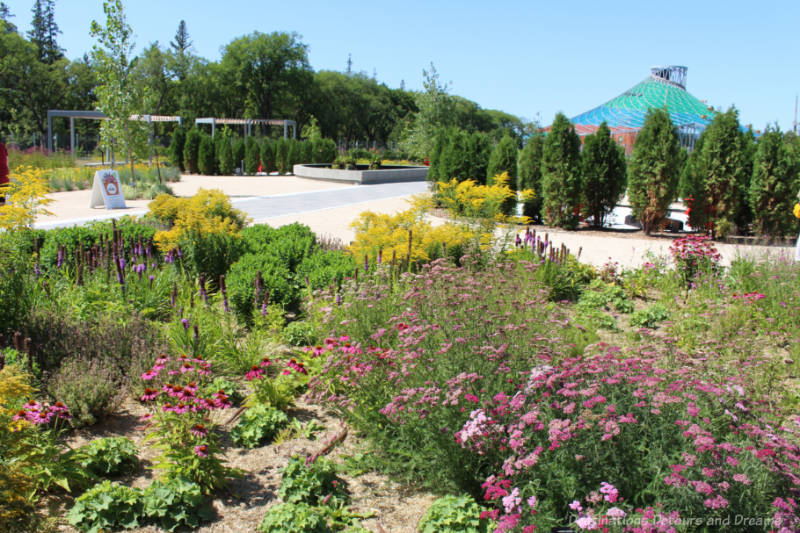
column 40, row 414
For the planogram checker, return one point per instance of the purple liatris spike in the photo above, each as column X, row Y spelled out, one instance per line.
column 380, row 256
column 366, row 263
column 185, row 322
column 338, row 299
column 196, row 333
column 174, row 295
column 151, row 278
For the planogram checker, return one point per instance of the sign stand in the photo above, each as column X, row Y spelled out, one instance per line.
column 107, row 190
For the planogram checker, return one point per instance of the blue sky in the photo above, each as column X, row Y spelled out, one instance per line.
column 529, row 58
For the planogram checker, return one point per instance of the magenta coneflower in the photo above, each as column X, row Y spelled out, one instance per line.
column 186, row 367
column 265, row 362
column 149, row 394
column 150, row 374
column 180, row 408
column 145, row 418
column 254, row 373
column 199, row 430
column 201, row 450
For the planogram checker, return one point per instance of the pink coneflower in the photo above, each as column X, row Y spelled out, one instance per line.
column 146, row 417
column 149, row 394
column 265, row 362
column 186, row 367
column 254, row 373
column 199, row 430
column 180, row 408
column 150, row 374
column 201, row 450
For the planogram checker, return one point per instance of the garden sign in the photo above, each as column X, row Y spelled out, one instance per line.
column 107, row 190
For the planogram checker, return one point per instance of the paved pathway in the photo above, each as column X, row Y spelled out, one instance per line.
column 267, row 207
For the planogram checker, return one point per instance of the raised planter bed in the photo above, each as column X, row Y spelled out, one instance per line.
column 362, row 175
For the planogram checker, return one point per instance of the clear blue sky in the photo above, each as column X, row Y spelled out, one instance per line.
column 529, row 58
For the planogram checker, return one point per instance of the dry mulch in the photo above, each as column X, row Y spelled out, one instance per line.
column 394, row 507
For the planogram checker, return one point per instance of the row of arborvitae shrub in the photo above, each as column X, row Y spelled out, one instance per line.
column 199, row 153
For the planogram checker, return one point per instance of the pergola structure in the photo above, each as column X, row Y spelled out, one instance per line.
column 248, row 124
column 96, row 115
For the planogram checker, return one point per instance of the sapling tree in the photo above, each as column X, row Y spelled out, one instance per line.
column 117, row 94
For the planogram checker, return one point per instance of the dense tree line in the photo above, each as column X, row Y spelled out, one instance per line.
column 261, row 75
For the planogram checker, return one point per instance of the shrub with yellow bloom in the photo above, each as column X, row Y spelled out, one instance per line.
column 15, row 485
column 389, row 235
column 26, row 194
column 207, row 212
column 469, row 199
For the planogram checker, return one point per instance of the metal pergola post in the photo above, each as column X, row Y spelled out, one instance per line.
column 72, row 136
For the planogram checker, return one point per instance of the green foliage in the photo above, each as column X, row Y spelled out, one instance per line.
column 207, row 157
column 268, row 154
column 92, row 387
column 175, row 503
column 654, row 169
column 530, row 175
column 324, row 151
column 294, row 518
column 118, row 97
column 230, row 388
column 211, row 254
column 453, row 513
column 452, row 161
column 715, row 171
column 252, row 156
column 504, row 159
column 15, row 289
column 774, row 185
column 561, row 174
column 479, row 149
column 106, row 506
column 109, row 456
column 239, row 153
column 191, row 151
column 258, row 425
column 282, row 162
column 311, row 483
column 299, row 333
column 278, row 280
column 176, row 147
column 604, row 174
column 649, row 317
column 225, row 154
column 324, row 268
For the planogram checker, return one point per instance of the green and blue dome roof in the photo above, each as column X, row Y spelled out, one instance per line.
column 664, row 88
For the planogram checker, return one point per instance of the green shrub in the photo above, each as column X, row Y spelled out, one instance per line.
column 294, row 518
column 256, row 238
column 282, row 161
column 16, row 284
column 207, row 156
column 299, row 333
column 292, row 244
column 238, row 153
column 326, row 267
column 306, row 152
column 650, row 317
column 191, row 150
column 210, row 253
column 176, row 502
column 93, row 388
column 106, row 506
column 312, row 483
column 324, row 151
column 252, row 156
column 225, row 155
column 176, row 148
column 277, row 279
column 453, row 513
column 258, row 425
column 268, row 155
column 109, row 457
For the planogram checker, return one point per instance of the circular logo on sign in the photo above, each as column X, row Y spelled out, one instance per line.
column 110, row 183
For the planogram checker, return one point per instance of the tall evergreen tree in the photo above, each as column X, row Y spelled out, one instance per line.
column 504, row 159
column 252, row 156
column 191, row 150
column 714, row 173
column 453, row 160
column 479, row 149
column 225, row 153
column 176, row 147
column 561, row 174
column 44, row 31
column 773, row 188
column 180, row 51
column 603, row 168
column 530, row 175
column 744, row 213
column 5, row 15
column 206, row 158
column 654, row 169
